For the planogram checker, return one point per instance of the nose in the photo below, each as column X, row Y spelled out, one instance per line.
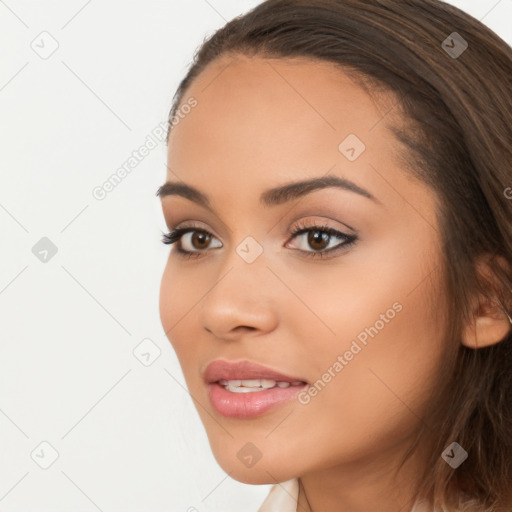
column 241, row 301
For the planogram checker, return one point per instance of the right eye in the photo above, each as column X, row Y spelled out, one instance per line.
column 199, row 237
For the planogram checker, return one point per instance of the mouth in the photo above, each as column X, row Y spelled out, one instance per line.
column 245, row 389
column 255, row 385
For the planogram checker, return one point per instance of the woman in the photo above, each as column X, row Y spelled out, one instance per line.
column 339, row 289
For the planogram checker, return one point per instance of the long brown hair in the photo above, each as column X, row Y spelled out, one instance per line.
column 456, row 133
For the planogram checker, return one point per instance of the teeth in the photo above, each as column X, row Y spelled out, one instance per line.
column 241, row 389
column 256, row 383
column 251, row 385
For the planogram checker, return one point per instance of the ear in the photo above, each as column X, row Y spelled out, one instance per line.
column 490, row 322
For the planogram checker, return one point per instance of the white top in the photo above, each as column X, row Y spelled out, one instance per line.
column 283, row 498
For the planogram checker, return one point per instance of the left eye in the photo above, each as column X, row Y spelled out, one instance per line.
column 318, row 239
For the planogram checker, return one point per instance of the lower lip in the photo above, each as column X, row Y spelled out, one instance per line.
column 250, row 404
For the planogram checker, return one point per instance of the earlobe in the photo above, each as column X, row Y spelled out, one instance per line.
column 491, row 324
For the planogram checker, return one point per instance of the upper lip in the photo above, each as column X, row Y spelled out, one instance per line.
column 243, row 370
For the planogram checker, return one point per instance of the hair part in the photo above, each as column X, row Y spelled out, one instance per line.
column 456, row 133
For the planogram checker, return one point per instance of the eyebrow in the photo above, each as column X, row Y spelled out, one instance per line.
column 272, row 197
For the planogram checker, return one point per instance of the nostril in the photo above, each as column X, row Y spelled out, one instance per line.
column 248, row 327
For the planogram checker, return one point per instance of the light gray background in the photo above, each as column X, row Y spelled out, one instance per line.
column 127, row 435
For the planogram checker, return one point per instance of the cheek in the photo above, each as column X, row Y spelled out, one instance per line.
column 176, row 300
column 389, row 332
column 180, row 290
column 180, row 296
column 390, row 364
column 166, row 300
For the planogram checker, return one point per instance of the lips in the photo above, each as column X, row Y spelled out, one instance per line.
column 244, row 370
column 245, row 390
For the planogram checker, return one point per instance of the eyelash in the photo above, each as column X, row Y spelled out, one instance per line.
column 175, row 235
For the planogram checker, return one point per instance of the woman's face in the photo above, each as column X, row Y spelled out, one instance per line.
column 361, row 328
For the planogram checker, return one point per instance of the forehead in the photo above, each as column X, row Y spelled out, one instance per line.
column 260, row 122
column 263, row 96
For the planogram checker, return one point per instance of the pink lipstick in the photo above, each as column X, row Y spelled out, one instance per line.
column 246, row 390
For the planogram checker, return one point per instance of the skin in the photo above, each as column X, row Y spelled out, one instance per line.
column 258, row 124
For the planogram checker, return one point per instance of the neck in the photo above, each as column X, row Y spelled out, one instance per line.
column 373, row 484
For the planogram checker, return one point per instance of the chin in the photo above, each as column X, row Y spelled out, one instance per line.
column 265, row 470
column 259, row 475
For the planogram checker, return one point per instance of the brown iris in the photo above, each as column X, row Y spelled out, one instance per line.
column 313, row 239
column 202, row 238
